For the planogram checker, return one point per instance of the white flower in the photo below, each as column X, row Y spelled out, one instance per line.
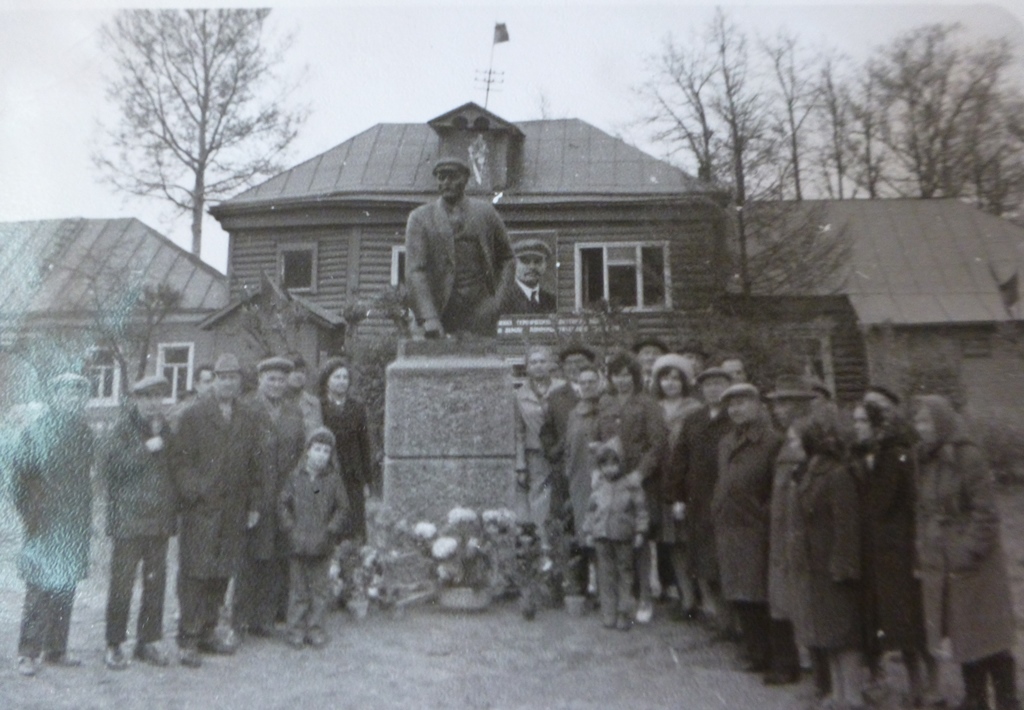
column 425, row 531
column 502, row 517
column 444, row 548
column 461, row 515
column 473, row 545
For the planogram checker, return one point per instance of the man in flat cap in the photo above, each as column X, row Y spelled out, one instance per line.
column 53, row 496
column 262, row 584
column 219, row 468
column 459, row 264
column 142, row 509
column 527, row 296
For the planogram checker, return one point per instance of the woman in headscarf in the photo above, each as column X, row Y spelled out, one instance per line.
column 345, row 416
column 963, row 574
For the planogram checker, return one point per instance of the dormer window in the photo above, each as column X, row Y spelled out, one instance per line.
column 296, row 264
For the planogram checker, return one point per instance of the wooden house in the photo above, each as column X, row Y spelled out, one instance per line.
column 76, row 293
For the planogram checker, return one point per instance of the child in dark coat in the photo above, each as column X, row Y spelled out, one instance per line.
column 616, row 524
column 312, row 510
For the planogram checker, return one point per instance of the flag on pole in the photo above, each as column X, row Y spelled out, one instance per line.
column 500, row 33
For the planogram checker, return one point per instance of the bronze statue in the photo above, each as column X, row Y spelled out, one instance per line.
column 459, row 264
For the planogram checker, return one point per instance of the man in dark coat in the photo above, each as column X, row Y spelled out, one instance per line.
column 53, row 496
column 219, row 461
column 696, row 462
column 261, row 591
column 740, row 509
column 459, row 264
column 142, row 508
column 527, row 296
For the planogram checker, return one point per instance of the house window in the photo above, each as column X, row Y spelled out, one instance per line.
column 397, row 265
column 631, row 275
column 174, row 361
column 104, row 376
column 297, row 266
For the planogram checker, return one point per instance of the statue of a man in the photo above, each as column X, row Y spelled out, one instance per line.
column 459, row 264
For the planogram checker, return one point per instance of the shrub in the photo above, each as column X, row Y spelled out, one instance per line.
column 1000, row 432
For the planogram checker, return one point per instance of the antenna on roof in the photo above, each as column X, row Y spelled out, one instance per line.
column 491, row 77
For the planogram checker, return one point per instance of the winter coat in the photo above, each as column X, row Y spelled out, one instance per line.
column 52, row 493
column 695, row 463
column 581, row 431
column 892, row 592
column 824, row 556
column 312, row 511
column 284, row 440
column 781, row 596
column 671, row 530
column 640, row 425
column 739, row 508
column 962, row 566
column 561, row 401
column 617, row 510
column 349, row 425
column 142, row 498
column 219, row 467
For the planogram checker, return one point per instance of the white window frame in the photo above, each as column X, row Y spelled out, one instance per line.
column 115, row 395
column 189, row 371
column 638, row 246
column 312, row 248
column 397, row 255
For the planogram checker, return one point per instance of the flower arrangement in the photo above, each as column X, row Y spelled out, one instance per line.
column 460, row 551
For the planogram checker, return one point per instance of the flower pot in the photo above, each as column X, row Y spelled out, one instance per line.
column 358, row 607
column 464, row 599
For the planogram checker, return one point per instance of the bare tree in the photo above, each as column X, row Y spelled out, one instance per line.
column 202, row 113
column 866, row 133
column 932, row 89
column 834, row 152
column 797, row 96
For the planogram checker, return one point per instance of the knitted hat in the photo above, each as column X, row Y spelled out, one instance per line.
column 320, row 435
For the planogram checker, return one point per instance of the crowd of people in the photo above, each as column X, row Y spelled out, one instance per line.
column 258, row 487
column 808, row 534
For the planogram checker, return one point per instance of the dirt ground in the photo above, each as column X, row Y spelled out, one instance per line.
column 426, row 658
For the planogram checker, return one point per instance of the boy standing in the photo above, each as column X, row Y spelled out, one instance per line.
column 312, row 510
column 616, row 524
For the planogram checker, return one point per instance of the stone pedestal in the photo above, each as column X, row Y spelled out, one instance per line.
column 448, row 430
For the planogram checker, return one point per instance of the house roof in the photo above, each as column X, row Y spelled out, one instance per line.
column 561, row 159
column 55, row 267
column 917, row 262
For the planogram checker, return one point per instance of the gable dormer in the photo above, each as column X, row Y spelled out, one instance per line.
column 491, row 145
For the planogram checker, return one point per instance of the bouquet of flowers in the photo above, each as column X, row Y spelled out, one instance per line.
column 460, row 551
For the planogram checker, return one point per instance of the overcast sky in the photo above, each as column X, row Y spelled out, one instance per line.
column 404, row 62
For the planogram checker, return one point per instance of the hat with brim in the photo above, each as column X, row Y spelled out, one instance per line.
column 279, row 364
column 227, row 364
column 791, row 387
column 450, row 163
column 153, row 385
column 885, row 392
column 577, row 349
column 649, row 342
column 532, row 247
column 819, row 387
column 713, row 372
column 741, row 389
column 69, row 380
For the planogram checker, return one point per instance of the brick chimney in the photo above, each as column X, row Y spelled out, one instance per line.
column 491, row 145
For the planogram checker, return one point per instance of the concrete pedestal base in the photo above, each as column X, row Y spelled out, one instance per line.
column 448, row 434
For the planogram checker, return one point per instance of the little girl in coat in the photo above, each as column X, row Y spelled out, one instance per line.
column 615, row 525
